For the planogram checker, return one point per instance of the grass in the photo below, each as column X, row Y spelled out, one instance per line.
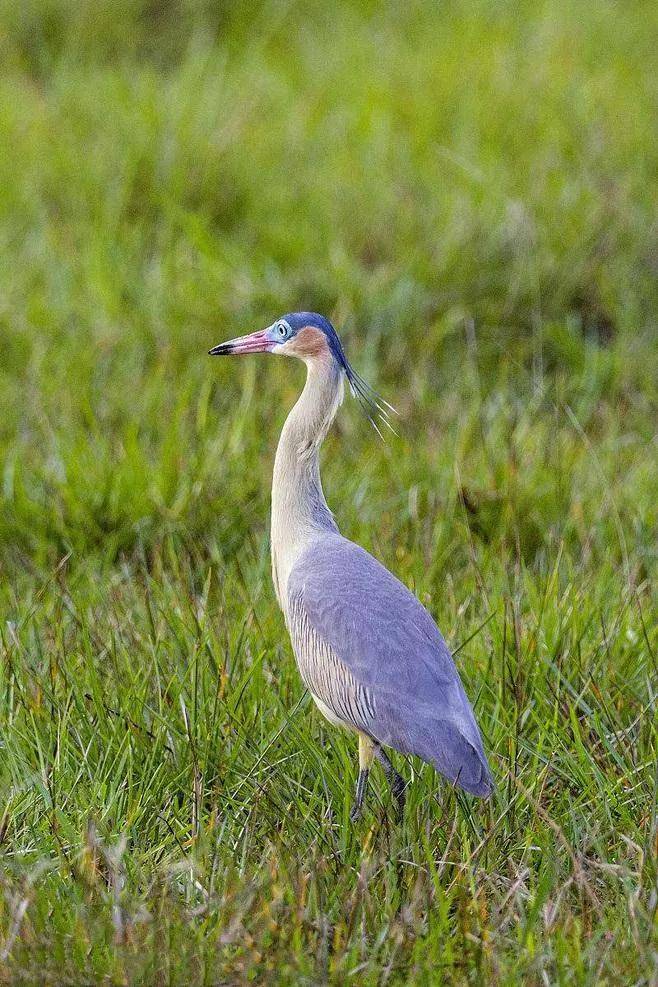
column 468, row 190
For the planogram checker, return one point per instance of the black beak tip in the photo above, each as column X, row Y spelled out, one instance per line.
column 220, row 350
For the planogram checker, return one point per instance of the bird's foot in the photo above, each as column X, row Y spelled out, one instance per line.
column 399, row 792
column 361, row 785
column 395, row 780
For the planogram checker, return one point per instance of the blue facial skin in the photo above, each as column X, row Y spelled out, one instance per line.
column 299, row 320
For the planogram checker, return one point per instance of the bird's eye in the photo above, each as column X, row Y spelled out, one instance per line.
column 282, row 329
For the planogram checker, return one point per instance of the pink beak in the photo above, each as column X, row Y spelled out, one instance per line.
column 255, row 342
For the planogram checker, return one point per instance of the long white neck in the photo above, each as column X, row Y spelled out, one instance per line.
column 299, row 510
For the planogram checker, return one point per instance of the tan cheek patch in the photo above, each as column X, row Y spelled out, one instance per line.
column 308, row 342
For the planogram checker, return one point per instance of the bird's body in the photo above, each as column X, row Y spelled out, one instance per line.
column 368, row 651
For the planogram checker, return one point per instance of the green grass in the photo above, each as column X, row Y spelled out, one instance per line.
column 468, row 190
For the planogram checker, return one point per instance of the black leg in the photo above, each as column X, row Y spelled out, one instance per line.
column 395, row 780
column 361, row 785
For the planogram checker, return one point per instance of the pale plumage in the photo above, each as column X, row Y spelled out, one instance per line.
column 368, row 651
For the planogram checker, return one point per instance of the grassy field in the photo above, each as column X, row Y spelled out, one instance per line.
column 468, row 189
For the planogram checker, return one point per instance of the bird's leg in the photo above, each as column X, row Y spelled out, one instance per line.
column 395, row 780
column 366, row 754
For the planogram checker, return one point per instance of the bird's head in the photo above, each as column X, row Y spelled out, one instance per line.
column 306, row 335
column 311, row 338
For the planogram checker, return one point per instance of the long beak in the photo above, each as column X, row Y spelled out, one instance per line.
column 255, row 342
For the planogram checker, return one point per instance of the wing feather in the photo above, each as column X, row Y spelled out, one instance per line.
column 393, row 650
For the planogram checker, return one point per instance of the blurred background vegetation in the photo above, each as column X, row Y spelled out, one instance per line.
column 468, row 190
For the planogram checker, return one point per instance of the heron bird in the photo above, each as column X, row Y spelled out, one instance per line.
column 370, row 654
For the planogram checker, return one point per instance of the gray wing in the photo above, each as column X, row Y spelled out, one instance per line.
column 377, row 653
